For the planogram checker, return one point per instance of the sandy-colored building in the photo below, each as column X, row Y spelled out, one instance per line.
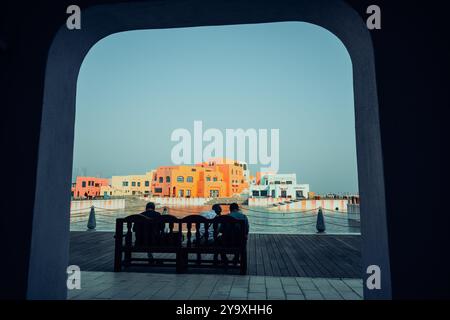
column 129, row 185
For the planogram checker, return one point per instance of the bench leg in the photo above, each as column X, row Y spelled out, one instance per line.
column 179, row 263
column 182, row 258
column 117, row 260
column 117, row 265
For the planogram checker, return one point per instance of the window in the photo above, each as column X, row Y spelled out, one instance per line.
column 133, row 184
column 97, row 185
column 83, row 184
column 167, row 179
column 263, row 193
column 277, row 182
column 214, row 193
column 156, row 178
column 139, row 184
column 161, row 179
column 181, row 193
column 189, row 179
column 208, row 178
column 158, row 190
column 124, row 183
column 288, row 182
column 180, row 179
column 215, row 179
column 188, row 193
column 147, row 183
column 255, row 193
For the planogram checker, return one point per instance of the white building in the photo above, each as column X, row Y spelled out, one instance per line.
column 279, row 186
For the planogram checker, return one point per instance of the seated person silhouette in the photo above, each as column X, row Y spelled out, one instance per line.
column 140, row 235
column 229, row 233
column 215, row 212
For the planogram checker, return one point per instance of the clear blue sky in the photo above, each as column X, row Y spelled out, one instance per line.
column 135, row 88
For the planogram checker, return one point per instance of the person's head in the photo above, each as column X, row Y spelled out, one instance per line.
column 150, row 206
column 217, row 209
column 234, row 207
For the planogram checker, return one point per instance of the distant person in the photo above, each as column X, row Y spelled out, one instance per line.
column 166, row 225
column 228, row 232
column 216, row 211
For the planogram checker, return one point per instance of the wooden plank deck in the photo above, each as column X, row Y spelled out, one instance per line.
column 323, row 256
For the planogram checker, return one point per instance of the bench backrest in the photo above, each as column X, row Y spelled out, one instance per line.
column 164, row 230
column 151, row 232
column 226, row 231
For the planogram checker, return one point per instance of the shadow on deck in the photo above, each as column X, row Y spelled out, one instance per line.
column 317, row 256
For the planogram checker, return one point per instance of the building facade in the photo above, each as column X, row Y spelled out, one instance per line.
column 203, row 180
column 87, row 187
column 279, row 186
column 129, row 185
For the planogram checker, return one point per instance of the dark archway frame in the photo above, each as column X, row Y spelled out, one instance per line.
column 50, row 236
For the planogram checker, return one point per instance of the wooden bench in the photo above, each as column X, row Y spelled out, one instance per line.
column 182, row 237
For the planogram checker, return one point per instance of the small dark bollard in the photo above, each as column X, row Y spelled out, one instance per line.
column 320, row 225
column 92, row 222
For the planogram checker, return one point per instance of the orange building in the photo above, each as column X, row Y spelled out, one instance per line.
column 205, row 180
column 85, row 187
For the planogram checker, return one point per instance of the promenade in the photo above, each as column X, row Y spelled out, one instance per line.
column 282, row 267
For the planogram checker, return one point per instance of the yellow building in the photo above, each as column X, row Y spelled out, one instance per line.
column 129, row 185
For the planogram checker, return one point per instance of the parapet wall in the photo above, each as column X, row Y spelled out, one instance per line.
column 77, row 206
column 281, row 203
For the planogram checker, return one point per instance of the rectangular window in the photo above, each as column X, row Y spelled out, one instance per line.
column 188, row 193
column 263, row 193
column 215, row 179
column 189, row 179
column 214, row 193
column 208, row 178
column 139, row 183
column 180, row 179
column 161, row 179
column 147, row 183
column 124, row 183
column 133, row 184
column 288, row 182
column 255, row 193
column 167, row 179
column 83, row 184
column 158, row 190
